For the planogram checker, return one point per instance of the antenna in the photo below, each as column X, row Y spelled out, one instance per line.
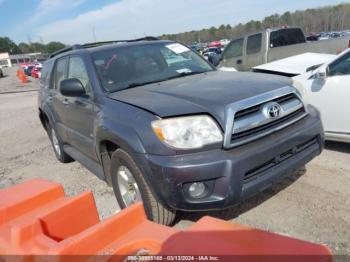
column 93, row 34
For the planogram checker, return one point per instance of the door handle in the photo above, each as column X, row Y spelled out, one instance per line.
column 49, row 99
column 239, row 61
column 79, row 103
column 65, row 102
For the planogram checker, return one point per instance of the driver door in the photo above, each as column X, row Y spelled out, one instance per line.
column 233, row 55
column 81, row 110
column 331, row 95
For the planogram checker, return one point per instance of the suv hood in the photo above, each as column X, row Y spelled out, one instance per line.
column 204, row 93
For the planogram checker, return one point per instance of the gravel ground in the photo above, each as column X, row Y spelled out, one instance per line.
column 10, row 83
column 313, row 205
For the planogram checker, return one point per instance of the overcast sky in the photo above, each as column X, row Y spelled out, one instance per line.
column 79, row 21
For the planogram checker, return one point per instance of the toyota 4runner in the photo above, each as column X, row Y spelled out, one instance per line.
column 157, row 122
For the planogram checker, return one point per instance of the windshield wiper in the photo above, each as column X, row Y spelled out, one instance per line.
column 136, row 84
column 186, row 74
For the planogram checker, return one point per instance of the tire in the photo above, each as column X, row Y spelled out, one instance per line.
column 1, row 74
column 57, row 146
column 155, row 210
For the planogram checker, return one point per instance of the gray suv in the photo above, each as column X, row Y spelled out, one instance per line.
column 161, row 125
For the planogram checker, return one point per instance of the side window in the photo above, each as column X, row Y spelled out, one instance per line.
column 284, row 37
column 60, row 72
column 234, row 49
column 77, row 69
column 45, row 74
column 254, row 44
column 340, row 66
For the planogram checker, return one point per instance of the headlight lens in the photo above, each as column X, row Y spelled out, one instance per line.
column 187, row 132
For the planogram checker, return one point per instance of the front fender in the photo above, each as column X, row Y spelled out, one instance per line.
column 121, row 134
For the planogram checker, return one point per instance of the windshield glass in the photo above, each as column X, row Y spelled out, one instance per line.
column 125, row 67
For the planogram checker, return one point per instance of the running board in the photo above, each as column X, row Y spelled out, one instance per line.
column 90, row 164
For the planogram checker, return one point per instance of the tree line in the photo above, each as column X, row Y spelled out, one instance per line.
column 324, row 19
column 7, row 45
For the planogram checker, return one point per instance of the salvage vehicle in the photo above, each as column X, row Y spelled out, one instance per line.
column 269, row 45
column 177, row 135
column 28, row 70
column 323, row 79
column 294, row 65
column 36, row 72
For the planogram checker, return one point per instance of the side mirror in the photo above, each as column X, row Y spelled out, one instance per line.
column 322, row 73
column 72, row 87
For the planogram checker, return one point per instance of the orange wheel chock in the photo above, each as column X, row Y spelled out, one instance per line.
column 36, row 218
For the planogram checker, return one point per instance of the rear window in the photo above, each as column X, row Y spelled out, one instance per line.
column 254, row 44
column 284, row 37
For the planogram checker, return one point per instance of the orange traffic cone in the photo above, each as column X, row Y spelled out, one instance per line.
column 22, row 77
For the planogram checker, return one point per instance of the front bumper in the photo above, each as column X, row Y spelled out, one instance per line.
column 235, row 174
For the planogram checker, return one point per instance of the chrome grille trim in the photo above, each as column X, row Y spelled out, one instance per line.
column 233, row 127
column 259, row 119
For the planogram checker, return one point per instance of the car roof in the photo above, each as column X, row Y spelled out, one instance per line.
column 124, row 44
column 91, row 48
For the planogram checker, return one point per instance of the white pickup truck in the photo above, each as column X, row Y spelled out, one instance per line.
column 272, row 44
column 323, row 80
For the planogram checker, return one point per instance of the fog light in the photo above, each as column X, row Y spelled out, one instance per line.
column 197, row 190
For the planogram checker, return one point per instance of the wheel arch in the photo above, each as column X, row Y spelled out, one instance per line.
column 44, row 119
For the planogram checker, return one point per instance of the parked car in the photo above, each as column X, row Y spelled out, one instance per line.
column 212, row 54
column 273, row 44
column 216, row 44
column 323, row 79
column 177, row 136
column 294, row 65
column 36, row 72
column 211, row 50
column 327, row 88
column 28, row 70
column 312, row 36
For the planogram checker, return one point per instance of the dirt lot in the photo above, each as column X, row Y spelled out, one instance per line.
column 316, row 207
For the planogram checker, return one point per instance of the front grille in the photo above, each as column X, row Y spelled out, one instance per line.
column 258, row 116
column 272, row 163
column 253, row 122
column 252, row 132
column 257, row 108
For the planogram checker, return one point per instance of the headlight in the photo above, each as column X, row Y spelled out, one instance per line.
column 187, row 132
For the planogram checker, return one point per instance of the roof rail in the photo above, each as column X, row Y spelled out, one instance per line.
column 66, row 49
column 147, row 38
column 95, row 44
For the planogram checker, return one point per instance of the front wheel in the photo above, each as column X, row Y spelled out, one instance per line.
column 130, row 186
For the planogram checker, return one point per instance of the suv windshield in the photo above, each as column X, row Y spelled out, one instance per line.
column 130, row 66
